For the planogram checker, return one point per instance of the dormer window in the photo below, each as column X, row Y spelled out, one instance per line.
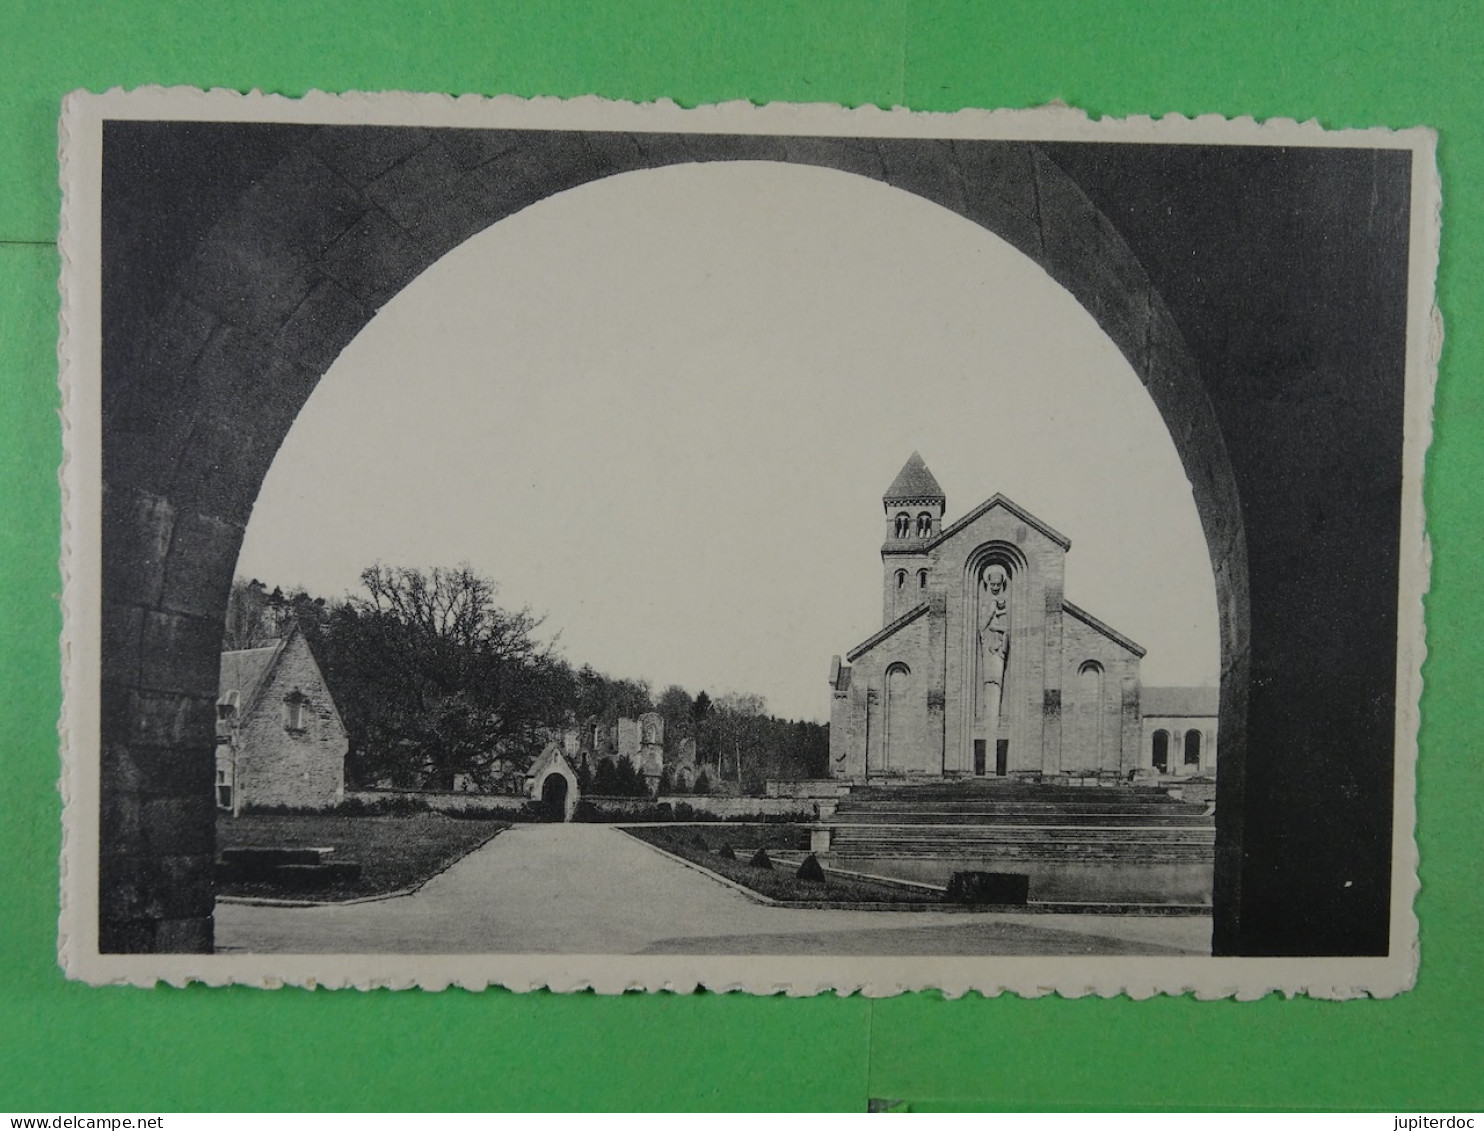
column 226, row 706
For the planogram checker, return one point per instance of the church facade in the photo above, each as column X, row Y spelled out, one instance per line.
column 982, row 666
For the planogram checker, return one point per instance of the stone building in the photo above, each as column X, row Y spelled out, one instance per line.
column 1179, row 729
column 981, row 666
column 279, row 737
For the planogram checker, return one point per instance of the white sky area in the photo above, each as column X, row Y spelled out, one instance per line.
column 661, row 409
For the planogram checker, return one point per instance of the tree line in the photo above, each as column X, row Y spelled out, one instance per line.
column 435, row 680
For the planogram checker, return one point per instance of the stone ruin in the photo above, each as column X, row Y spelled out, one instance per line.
column 641, row 742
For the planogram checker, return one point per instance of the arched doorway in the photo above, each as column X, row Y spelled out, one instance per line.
column 332, row 236
column 555, row 789
column 554, row 797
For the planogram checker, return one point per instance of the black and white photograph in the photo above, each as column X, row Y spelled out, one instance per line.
column 587, row 545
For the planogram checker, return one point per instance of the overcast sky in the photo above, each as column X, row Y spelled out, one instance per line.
column 661, row 409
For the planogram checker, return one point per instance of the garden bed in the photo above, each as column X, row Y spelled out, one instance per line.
column 395, row 853
column 703, row 845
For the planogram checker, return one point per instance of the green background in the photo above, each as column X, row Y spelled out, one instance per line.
column 67, row 1046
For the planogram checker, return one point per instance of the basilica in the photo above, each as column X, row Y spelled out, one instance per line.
column 982, row 667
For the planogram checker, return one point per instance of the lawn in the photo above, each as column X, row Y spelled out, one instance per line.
column 395, row 853
column 702, row 845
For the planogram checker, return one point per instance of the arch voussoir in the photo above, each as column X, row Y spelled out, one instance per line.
column 289, row 276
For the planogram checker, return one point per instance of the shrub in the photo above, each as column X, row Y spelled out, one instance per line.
column 392, row 805
column 726, row 853
column 702, row 786
column 627, row 781
column 760, row 859
column 1009, row 888
column 605, row 780
column 477, row 813
column 811, row 870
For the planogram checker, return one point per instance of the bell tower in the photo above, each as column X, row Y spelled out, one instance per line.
column 914, row 506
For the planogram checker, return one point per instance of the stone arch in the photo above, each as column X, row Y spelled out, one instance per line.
column 199, row 402
column 544, row 789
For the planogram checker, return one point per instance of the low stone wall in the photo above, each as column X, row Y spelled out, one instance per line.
column 615, row 807
column 810, row 788
column 707, row 805
column 443, row 802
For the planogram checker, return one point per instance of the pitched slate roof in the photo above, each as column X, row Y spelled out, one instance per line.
column 877, row 637
column 998, row 500
column 246, row 672
column 1111, row 633
column 913, row 483
column 1183, row 702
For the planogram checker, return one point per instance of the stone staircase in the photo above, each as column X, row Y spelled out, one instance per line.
column 1125, row 843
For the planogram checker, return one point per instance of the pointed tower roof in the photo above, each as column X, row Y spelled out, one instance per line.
column 914, row 484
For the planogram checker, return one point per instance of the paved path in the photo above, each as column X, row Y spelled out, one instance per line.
column 591, row 889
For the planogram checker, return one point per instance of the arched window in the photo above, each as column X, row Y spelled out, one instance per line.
column 1162, row 751
column 922, row 579
column 901, row 578
column 1192, row 748
column 904, row 524
column 1090, row 710
column 924, row 524
column 895, row 746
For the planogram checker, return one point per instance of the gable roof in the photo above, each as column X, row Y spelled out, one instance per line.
column 914, row 483
column 876, row 638
column 1189, row 702
column 249, row 671
column 1111, row 633
column 246, row 672
column 998, row 500
column 552, row 755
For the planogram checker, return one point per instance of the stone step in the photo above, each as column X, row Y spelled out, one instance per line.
column 1142, row 853
column 999, row 788
column 1021, row 805
column 848, row 840
column 1076, row 829
column 1028, row 820
column 1078, row 799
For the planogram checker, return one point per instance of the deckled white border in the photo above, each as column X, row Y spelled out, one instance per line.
column 79, row 356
